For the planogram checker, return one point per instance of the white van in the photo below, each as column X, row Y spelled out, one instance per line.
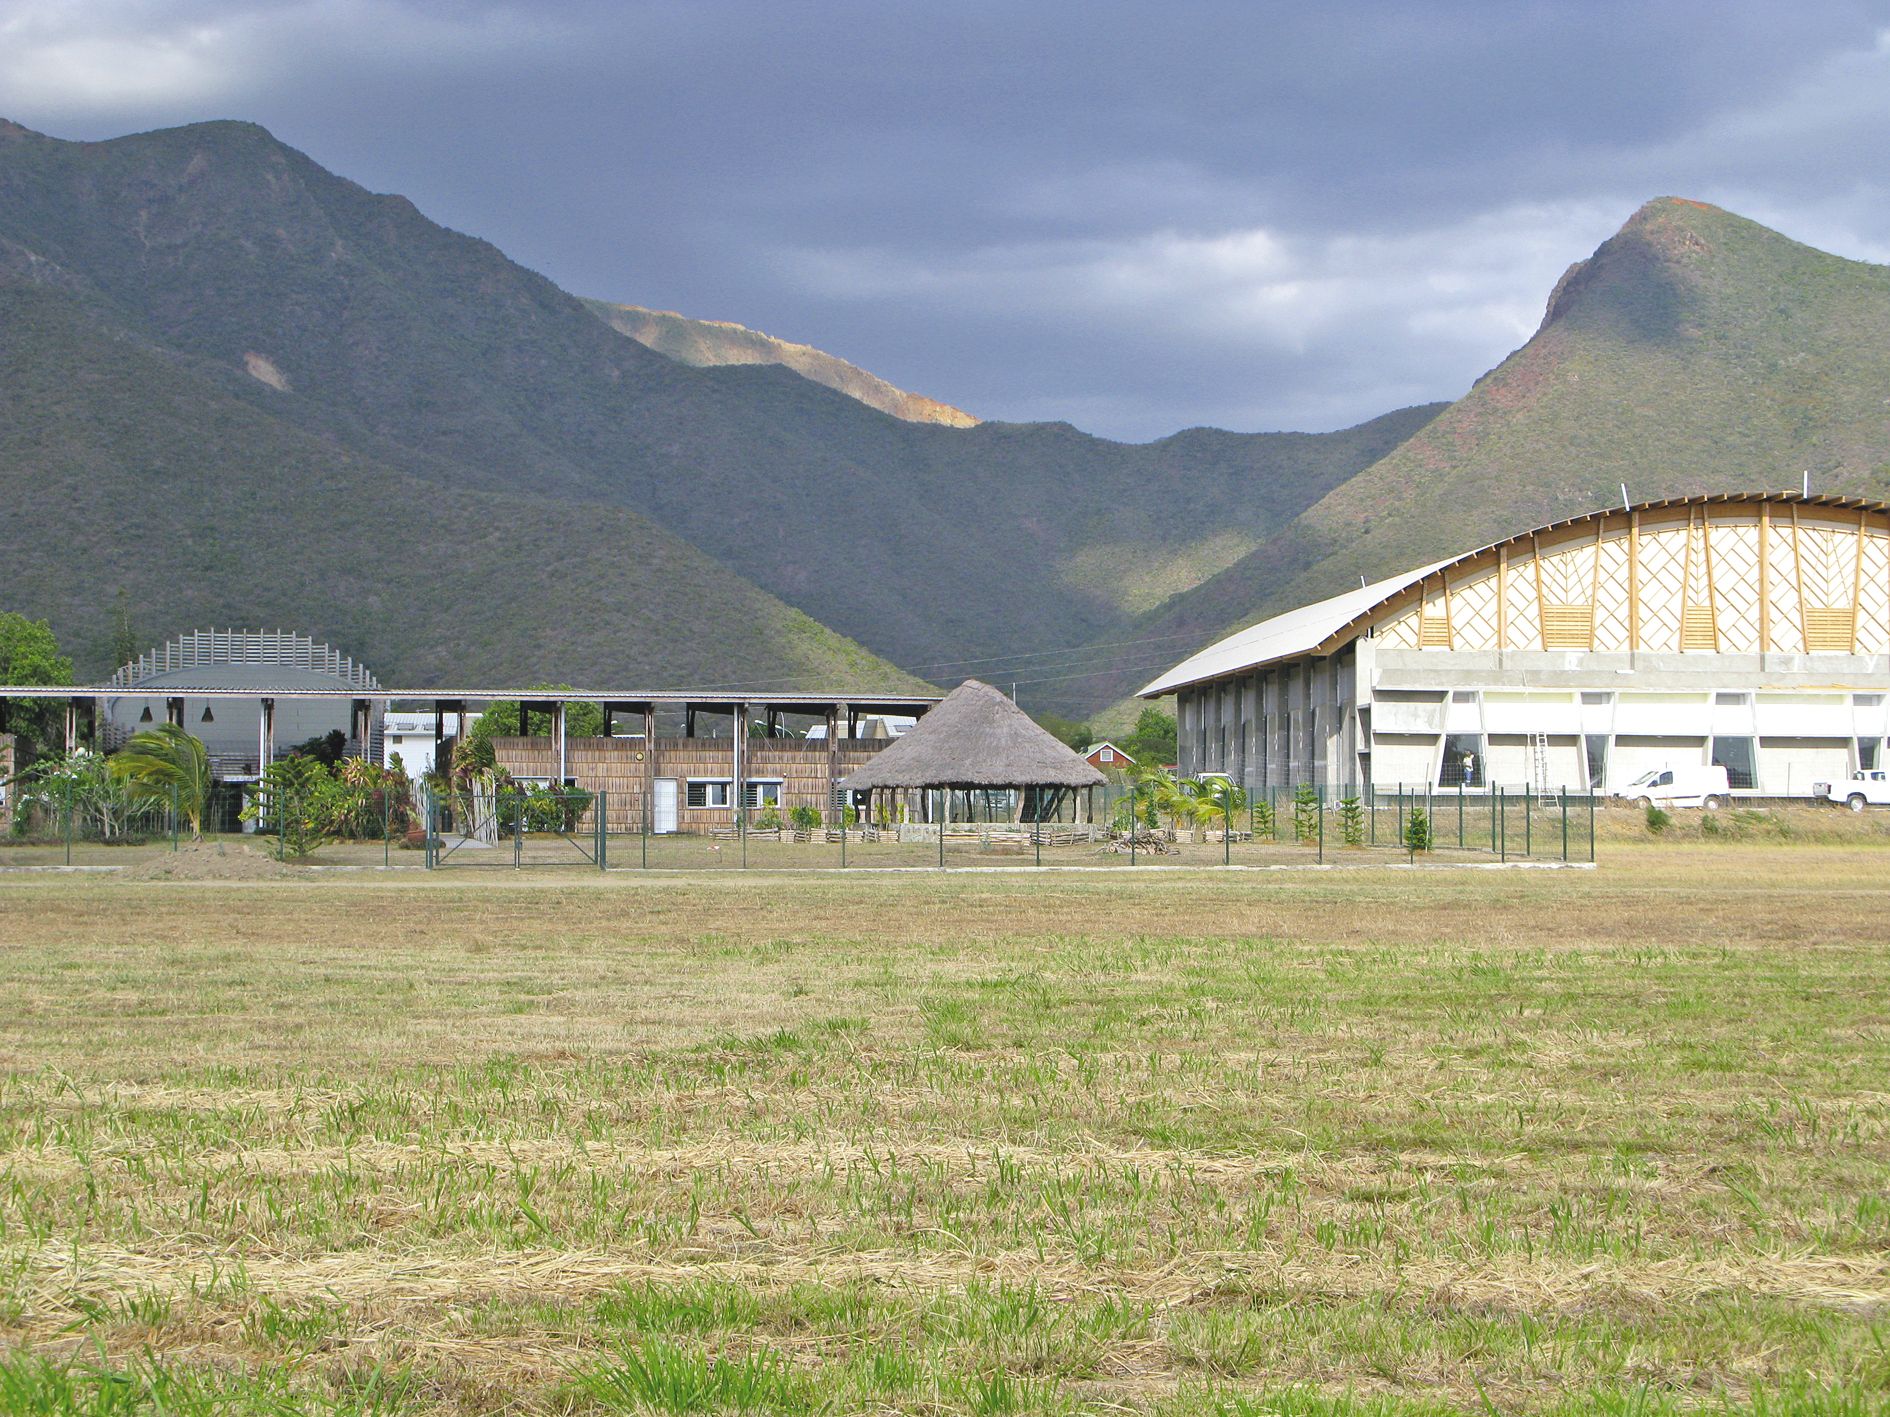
column 1690, row 786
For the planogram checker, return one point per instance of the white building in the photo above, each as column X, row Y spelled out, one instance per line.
column 244, row 693
column 1751, row 631
column 411, row 737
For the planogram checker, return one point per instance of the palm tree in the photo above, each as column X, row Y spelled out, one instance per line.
column 1174, row 797
column 1220, row 799
column 162, row 761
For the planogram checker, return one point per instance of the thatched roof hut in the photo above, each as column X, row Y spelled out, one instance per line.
column 974, row 737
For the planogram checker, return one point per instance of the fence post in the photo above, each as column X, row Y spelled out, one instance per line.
column 1591, row 824
column 1135, row 817
column 69, row 822
column 643, row 823
column 1227, row 829
column 1322, row 826
column 173, row 816
column 1371, row 812
column 1502, row 813
column 944, row 807
column 1460, row 814
column 1401, row 840
column 843, row 836
column 282, row 826
column 1565, row 824
column 518, row 831
column 387, row 827
column 1528, row 829
column 602, row 823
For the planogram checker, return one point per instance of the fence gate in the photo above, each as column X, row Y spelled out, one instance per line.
column 516, row 827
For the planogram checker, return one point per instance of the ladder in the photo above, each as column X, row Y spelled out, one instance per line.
column 1539, row 780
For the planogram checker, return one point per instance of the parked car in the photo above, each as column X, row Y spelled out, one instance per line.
column 1867, row 789
column 1691, row 786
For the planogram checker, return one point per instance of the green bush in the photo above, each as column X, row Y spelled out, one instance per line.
column 1417, row 830
column 806, row 818
column 1351, row 821
column 1262, row 817
column 1658, row 820
column 768, row 819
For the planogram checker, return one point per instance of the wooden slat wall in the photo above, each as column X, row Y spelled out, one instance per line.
column 614, row 766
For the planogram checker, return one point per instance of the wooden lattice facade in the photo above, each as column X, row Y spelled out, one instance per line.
column 1758, row 577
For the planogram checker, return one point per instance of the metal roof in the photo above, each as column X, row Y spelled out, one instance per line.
column 667, row 698
column 1316, row 627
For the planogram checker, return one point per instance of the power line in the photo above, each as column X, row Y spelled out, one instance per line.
column 1046, row 654
column 1039, row 653
column 1095, row 673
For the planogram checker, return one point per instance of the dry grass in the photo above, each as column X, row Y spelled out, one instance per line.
column 1365, row 1141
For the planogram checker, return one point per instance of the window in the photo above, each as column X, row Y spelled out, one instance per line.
column 1867, row 749
column 1597, row 697
column 1463, row 696
column 1732, row 700
column 1867, row 700
column 1734, row 755
column 765, row 792
column 1463, row 761
column 1596, row 747
column 707, row 792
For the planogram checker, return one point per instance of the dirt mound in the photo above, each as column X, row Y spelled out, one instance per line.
column 211, row 861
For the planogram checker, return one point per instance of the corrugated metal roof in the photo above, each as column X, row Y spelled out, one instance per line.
column 1284, row 636
column 1310, row 627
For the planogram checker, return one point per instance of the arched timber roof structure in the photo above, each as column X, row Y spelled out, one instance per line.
column 1578, row 621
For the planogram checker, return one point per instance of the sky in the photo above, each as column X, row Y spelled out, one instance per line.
column 1134, row 217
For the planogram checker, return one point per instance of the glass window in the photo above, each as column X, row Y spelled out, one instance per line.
column 1597, row 696
column 1731, row 700
column 707, row 792
column 1463, row 761
column 1867, row 700
column 1868, row 754
column 1463, row 696
column 1734, row 755
column 1596, row 746
column 763, row 794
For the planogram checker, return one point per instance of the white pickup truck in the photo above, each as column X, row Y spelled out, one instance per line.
column 1868, row 789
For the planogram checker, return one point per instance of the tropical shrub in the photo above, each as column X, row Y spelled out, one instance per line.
column 1417, row 830
column 805, row 817
column 102, row 808
column 1351, row 821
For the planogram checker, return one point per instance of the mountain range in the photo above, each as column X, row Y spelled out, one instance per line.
column 236, row 388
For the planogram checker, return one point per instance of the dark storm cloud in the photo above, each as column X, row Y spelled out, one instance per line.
column 1134, row 217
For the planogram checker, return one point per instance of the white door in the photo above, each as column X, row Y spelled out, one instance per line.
column 664, row 805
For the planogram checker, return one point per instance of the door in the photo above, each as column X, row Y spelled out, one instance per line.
column 664, row 805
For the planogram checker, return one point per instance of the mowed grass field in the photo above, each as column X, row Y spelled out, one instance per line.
column 1378, row 1141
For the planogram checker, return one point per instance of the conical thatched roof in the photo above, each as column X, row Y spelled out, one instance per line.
column 975, row 737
